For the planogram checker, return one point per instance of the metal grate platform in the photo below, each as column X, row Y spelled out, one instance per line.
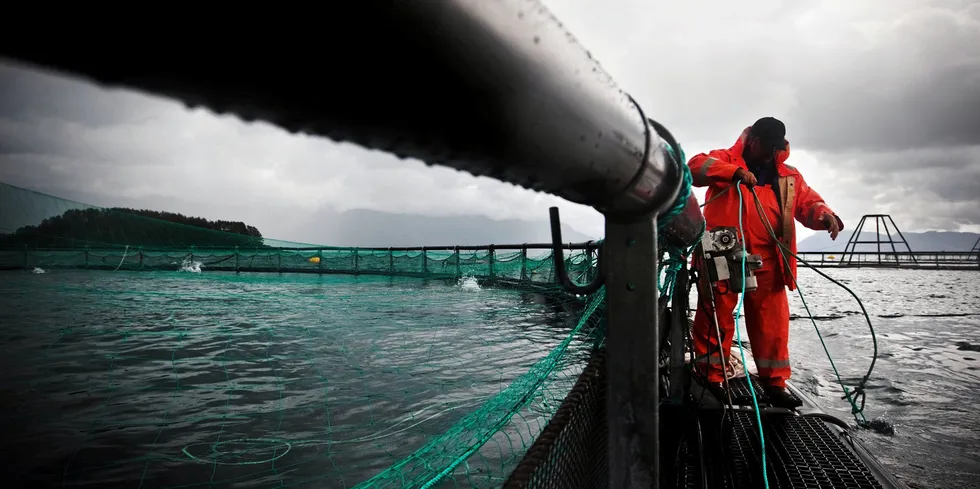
column 742, row 396
column 699, row 450
column 801, row 452
column 687, row 467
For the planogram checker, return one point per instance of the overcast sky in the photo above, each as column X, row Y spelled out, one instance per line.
column 881, row 99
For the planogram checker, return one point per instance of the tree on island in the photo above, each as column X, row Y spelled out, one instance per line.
column 131, row 227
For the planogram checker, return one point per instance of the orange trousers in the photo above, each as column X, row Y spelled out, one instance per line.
column 766, row 311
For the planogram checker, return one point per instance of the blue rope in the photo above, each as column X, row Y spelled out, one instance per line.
column 738, row 337
column 857, row 396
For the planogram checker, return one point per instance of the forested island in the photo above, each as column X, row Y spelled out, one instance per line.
column 95, row 227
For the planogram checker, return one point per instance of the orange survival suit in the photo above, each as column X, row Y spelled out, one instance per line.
column 766, row 308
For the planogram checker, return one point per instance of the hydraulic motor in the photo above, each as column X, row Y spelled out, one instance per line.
column 724, row 254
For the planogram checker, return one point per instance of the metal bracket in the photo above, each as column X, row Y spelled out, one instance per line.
column 678, row 330
column 558, row 255
column 627, row 265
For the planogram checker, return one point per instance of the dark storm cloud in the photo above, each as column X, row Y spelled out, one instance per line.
column 947, row 175
column 876, row 75
column 960, row 159
column 931, row 188
column 917, row 84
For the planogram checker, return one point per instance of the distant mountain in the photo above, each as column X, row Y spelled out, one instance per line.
column 928, row 241
column 130, row 227
column 367, row 228
column 363, row 228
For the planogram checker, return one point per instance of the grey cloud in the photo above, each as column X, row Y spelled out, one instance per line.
column 30, row 94
column 916, row 85
column 879, row 75
column 946, row 184
column 933, row 188
column 961, row 159
column 941, row 109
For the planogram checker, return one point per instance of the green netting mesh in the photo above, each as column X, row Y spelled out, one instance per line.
column 358, row 371
column 501, row 265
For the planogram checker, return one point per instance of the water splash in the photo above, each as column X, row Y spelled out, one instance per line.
column 190, row 266
column 468, row 282
column 38, row 270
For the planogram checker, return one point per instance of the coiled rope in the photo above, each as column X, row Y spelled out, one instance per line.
column 857, row 397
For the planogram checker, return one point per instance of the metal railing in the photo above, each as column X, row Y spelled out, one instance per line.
column 425, row 261
column 936, row 260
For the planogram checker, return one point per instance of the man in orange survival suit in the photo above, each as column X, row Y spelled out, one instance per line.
column 756, row 160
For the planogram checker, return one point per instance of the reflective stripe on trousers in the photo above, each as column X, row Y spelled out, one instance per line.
column 767, row 323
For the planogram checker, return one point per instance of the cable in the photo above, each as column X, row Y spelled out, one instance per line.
column 738, row 337
column 859, row 395
column 723, row 192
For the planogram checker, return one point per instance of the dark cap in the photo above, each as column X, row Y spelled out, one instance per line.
column 771, row 131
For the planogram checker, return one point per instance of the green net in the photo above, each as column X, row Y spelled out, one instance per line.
column 486, row 265
column 147, row 350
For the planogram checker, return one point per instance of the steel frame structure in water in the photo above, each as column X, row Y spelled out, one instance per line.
column 881, row 221
column 495, row 88
column 916, row 260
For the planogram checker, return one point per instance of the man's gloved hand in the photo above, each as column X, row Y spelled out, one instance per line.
column 745, row 176
column 833, row 227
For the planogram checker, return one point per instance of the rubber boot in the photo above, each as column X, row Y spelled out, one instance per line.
column 717, row 389
column 779, row 397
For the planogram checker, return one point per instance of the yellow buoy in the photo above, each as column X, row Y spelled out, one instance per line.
column 315, row 259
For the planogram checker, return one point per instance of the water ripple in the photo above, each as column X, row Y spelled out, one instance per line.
column 259, row 380
column 167, row 380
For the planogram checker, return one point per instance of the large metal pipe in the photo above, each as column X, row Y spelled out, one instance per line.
column 495, row 88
